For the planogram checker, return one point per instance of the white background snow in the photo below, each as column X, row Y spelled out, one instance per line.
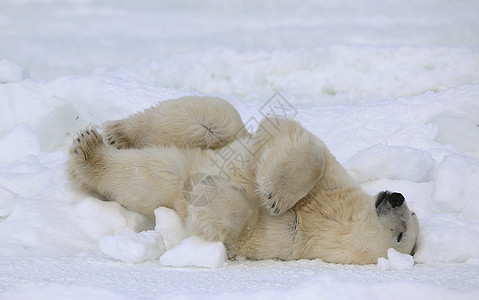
column 392, row 87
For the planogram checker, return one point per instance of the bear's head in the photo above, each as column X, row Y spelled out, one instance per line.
column 384, row 222
column 349, row 226
column 400, row 225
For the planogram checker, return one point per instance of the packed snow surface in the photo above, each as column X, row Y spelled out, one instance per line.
column 392, row 87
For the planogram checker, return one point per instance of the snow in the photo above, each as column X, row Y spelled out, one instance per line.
column 392, row 162
column 461, row 236
column 391, row 87
column 395, row 261
column 194, row 251
column 169, row 226
column 20, row 142
column 12, row 72
column 456, row 188
column 168, row 243
column 133, row 247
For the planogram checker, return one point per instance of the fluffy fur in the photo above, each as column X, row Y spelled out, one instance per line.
column 281, row 195
column 184, row 122
column 145, row 179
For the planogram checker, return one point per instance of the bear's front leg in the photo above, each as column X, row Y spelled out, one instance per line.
column 290, row 163
column 117, row 135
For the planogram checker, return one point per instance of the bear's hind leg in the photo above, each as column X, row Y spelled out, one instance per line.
column 86, row 144
column 85, row 155
column 187, row 122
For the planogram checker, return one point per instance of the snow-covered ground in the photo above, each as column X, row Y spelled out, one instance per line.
column 392, row 87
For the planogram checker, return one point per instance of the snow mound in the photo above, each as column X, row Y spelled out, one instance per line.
column 133, row 247
column 395, row 261
column 447, row 239
column 459, row 126
column 18, row 143
column 169, row 236
column 456, row 187
column 98, row 218
column 195, row 252
column 56, row 110
column 186, row 252
column 336, row 72
column 8, row 202
column 392, row 162
column 169, row 226
column 12, row 72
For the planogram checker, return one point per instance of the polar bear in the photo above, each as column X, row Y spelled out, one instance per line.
column 282, row 194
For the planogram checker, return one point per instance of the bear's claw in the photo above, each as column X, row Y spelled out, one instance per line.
column 115, row 136
column 272, row 204
column 86, row 143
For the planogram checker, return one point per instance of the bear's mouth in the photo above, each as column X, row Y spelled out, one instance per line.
column 400, row 236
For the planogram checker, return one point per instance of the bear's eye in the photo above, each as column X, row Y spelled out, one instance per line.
column 400, row 237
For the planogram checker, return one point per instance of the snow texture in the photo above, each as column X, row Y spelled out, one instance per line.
column 391, row 87
column 133, row 247
column 169, row 226
column 395, row 261
column 194, row 251
column 12, row 72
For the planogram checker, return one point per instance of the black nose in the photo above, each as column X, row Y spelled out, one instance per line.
column 396, row 199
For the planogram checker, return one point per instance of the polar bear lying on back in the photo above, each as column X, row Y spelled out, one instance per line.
column 281, row 194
